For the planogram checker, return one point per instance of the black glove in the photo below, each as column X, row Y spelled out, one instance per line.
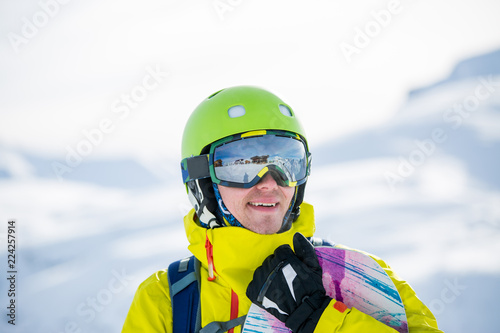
column 289, row 286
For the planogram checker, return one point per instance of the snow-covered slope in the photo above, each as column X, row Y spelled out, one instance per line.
column 422, row 191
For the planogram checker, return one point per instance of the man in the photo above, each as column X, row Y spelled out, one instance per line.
column 245, row 165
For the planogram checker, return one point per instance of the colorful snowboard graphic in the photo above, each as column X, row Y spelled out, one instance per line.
column 352, row 278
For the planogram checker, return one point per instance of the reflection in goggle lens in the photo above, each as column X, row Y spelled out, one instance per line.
column 242, row 160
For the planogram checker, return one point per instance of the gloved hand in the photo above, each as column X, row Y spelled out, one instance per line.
column 289, row 286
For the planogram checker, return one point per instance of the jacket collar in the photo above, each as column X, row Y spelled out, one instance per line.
column 237, row 251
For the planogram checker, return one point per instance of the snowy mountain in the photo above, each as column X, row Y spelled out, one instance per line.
column 421, row 191
column 467, row 125
column 118, row 173
column 482, row 65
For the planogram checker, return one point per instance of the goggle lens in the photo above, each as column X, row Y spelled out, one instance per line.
column 246, row 160
column 243, row 159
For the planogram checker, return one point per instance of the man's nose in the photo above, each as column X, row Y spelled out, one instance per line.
column 268, row 182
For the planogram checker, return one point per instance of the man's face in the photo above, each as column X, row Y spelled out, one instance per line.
column 260, row 208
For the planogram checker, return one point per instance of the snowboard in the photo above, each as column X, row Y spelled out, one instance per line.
column 353, row 278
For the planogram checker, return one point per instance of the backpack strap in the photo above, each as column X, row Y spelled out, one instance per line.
column 223, row 326
column 184, row 285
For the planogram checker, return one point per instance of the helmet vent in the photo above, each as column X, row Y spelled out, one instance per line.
column 236, row 111
column 285, row 110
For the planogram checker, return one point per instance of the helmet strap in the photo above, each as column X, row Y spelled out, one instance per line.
column 294, row 211
column 201, row 196
column 223, row 214
column 289, row 217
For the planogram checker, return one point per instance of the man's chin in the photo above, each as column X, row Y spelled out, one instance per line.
column 265, row 225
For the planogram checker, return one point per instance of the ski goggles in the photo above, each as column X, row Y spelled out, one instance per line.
column 242, row 160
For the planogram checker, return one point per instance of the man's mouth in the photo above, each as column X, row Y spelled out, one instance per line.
column 263, row 204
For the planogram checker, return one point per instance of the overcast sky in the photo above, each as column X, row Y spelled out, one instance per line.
column 135, row 70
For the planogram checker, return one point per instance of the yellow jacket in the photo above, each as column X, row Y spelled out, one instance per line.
column 237, row 252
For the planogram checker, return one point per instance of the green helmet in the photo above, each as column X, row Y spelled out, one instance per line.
column 228, row 112
column 236, row 110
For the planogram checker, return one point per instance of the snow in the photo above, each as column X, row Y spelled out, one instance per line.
column 398, row 171
column 83, row 248
column 73, row 241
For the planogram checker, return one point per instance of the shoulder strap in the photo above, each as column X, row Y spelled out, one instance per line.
column 184, row 284
column 223, row 326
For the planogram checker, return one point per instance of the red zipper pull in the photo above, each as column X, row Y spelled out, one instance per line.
column 210, row 259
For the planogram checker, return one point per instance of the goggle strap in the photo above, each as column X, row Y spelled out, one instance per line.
column 195, row 167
